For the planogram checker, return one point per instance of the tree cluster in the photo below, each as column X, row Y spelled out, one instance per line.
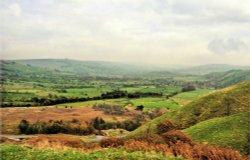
column 188, row 88
column 54, row 127
column 74, row 126
column 99, row 124
column 53, row 100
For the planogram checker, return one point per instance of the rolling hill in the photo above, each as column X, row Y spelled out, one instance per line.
column 105, row 67
column 223, row 131
column 221, row 103
column 89, row 68
column 208, row 68
column 224, row 79
column 14, row 71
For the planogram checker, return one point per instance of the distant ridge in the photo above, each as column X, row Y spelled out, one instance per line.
column 224, row 79
column 92, row 67
column 209, row 68
column 86, row 67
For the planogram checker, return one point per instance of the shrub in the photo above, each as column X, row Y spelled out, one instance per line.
column 100, row 124
column 111, row 142
column 165, row 126
column 174, row 136
column 152, row 139
column 210, row 152
column 139, row 108
column 188, row 88
column 23, row 126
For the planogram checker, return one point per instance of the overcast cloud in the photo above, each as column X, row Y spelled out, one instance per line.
column 148, row 31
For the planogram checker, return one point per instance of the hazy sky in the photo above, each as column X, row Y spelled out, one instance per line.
column 149, row 31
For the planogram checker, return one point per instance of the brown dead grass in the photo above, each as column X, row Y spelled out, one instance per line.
column 11, row 117
column 185, row 150
column 111, row 142
column 7, row 140
column 55, row 141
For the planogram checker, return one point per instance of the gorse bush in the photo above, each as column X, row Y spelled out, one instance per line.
column 165, row 126
column 174, row 136
column 111, row 142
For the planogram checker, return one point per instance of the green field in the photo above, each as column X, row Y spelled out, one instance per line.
column 224, row 132
column 186, row 97
column 148, row 103
column 24, row 153
column 155, row 103
column 29, row 90
column 23, row 92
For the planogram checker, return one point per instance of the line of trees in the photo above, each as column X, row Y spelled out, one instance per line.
column 75, row 126
column 53, row 100
column 58, row 100
column 53, row 127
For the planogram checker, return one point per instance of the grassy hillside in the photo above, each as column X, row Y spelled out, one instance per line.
column 224, row 131
column 24, row 153
column 228, row 101
column 13, row 71
column 90, row 68
column 187, row 97
column 223, row 79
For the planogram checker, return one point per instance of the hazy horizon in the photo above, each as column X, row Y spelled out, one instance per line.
column 157, row 32
column 159, row 66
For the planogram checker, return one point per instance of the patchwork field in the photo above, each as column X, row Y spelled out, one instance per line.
column 150, row 102
column 66, row 109
column 84, row 112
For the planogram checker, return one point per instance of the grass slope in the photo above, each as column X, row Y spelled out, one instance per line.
column 148, row 103
column 187, row 97
column 214, row 104
column 24, row 153
column 224, row 131
column 16, row 72
column 223, row 79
